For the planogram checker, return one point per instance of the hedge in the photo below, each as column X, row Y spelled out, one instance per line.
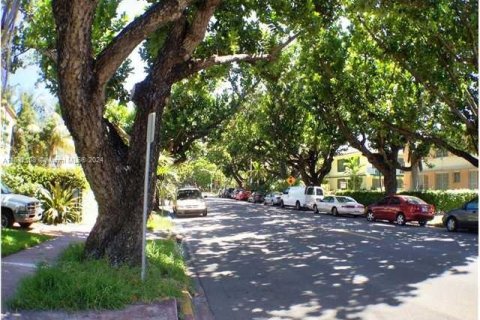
column 28, row 179
column 444, row 200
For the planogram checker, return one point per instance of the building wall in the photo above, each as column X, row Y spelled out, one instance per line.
column 8, row 120
column 371, row 179
column 443, row 170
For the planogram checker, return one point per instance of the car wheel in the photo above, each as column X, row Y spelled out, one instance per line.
column 297, row 205
column 204, row 213
column 7, row 219
column 400, row 219
column 315, row 209
column 25, row 225
column 422, row 223
column 452, row 224
column 334, row 211
column 370, row 216
column 282, row 204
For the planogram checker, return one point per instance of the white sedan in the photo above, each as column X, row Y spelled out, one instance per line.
column 339, row 205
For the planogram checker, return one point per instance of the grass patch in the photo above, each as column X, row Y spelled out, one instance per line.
column 159, row 222
column 78, row 284
column 17, row 240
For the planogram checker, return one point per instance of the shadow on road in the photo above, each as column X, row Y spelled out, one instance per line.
column 267, row 262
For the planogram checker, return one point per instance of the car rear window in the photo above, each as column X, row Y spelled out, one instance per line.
column 345, row 199
column 415, row 200
column 189, row 194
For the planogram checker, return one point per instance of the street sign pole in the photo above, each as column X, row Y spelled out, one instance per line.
column 150, row 138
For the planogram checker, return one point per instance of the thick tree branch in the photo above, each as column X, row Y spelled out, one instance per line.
column 438, row 141
column 193, row 66
column 197, row 29
column 158, row 15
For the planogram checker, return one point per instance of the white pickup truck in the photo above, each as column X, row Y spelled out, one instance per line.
column 301, row 197
column 18, row 208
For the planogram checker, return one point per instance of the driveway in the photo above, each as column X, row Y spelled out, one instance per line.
column 262, row 262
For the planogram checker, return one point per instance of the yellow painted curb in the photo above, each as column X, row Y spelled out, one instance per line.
column 186, row 307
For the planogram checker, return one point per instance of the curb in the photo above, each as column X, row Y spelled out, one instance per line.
column 196, row 307
column 186, row 306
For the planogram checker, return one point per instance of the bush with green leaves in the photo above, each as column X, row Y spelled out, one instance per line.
column 59, row 204
column 444, row 200
column 27, row 179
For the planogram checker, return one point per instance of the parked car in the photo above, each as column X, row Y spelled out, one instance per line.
column 228, row 192
column 243, row 195
column 339, row 205
column 19, row 208
column 235, row 192
column 272, row 198
column 256, row 197
column 301, row 197
column 189, row 201
column 401, row 208
column 464, row 217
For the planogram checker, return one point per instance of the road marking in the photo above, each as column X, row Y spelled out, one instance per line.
column 354, row 233
column 20, row 264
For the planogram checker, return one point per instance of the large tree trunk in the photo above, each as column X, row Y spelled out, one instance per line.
column 117, row 234
column 390, row 180
column 415, row 177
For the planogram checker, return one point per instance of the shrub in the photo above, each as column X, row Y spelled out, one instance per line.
column 444, row 200
column 59, row 205
column 364, row 197
column 28, row 179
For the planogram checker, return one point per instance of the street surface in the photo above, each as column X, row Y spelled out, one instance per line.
column 262, row 262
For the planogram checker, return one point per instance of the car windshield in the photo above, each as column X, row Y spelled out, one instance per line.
column 5, row 189
column 189, row 194
column 415, row 200
column 345, row 199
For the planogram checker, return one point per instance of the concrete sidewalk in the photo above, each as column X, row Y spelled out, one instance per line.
column 19, row 265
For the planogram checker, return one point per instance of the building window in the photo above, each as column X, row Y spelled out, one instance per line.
column 441, row 181
column 456, row 177
column 423, row 183
column 341, row 165
column 473, row 180
column 440, row 153
column 341, row 184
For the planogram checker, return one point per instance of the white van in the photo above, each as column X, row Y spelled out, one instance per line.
column 301, row 197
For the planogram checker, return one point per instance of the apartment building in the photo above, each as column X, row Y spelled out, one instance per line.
column 369, row 178
column 443, row 170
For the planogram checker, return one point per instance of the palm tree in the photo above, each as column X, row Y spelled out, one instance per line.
column 56, row 138
column 353, row 167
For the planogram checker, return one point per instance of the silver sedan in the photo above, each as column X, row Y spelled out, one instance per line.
column 339, row 205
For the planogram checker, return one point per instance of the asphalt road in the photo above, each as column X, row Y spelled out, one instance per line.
column 262, row 262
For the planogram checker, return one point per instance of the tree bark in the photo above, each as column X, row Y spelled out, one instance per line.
column 390, row 180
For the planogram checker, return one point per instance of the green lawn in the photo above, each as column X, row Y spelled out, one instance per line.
column 17, row 240
column 78, row 284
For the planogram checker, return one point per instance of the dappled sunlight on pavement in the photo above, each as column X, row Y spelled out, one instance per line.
column 271, row 263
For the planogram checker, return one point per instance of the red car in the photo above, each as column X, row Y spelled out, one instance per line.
column 401, row 209
column 243, row 195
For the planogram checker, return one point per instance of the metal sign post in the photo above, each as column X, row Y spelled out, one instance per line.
column 150, row 138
